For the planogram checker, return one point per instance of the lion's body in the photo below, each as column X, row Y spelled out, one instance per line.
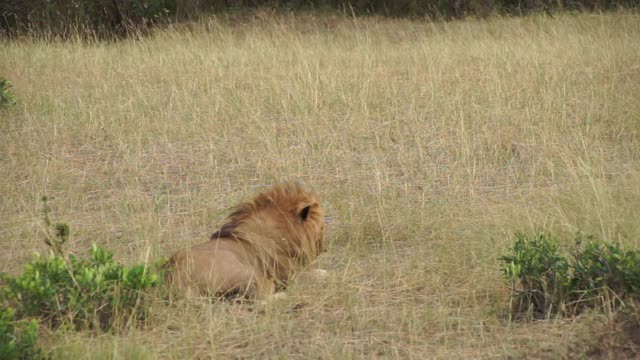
column 264, row 242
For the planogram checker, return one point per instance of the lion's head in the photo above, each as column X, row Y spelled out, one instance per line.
column 285, row 214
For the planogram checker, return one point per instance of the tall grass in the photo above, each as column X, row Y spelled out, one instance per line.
column 430, row 143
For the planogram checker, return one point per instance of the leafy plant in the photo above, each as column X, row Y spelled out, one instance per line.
column 541, row 271
column 18, row 339
column 599, row 265
column 6, row 98
column 95, row 292
column 546, row 282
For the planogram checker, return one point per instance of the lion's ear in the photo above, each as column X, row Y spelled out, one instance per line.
column 304, row 213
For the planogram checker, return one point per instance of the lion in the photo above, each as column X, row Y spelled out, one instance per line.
column 259, row 249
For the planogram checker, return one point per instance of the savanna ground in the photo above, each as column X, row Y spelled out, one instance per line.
column 430, row 144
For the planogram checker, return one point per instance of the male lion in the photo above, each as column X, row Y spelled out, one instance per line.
column 262, row 244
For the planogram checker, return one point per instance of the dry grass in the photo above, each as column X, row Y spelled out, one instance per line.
column 430, row 144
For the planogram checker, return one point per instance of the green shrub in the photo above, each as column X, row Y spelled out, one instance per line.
column 18, row 339
column 541, row 271
column 599, row 265
column 545, row 282
column 94, row 292
column 6, row 98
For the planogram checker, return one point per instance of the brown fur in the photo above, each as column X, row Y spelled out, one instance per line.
column 264, row 242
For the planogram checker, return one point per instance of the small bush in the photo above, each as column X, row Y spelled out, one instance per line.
column 94, row 292
column 541, row 271
column 18, row 339
column 545, row 282
column 599, row 265
column 6, row 98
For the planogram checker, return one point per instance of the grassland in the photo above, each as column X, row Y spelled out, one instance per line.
column 430, row 143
